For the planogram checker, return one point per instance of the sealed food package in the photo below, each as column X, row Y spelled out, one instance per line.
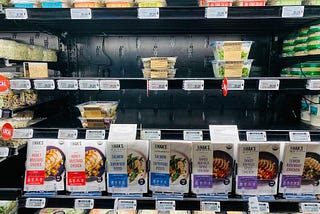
column 88, row 3
column 222, row 68
column 14, row 99
column 313, row 49
column 61, row 210
column 151, row 3
column 49, row 55
column 45, row 165
column 314, row 30
column 7, row 48
column 127, row 167
column 98, row 109
column 284, row 2
column 169, row 166
column 119, row 3
column 55, row 4
column 21, row 51
column 8, row 206
column 231, row 50
column 311, row 2
column 26, row 3
column 249, row 3
column 35, row 53
column 216, row 3
column 159, row 67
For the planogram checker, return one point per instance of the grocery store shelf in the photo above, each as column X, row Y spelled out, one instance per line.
column 9, row 193
column 288, row 61
column 125, row 20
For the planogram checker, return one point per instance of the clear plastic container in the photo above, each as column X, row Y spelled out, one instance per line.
column 313, row 49
column 169, row 73
column 119, row 3
column 98, row 123
column 239, row 68
column 151, row 3
column 35, row 53
column 231, row 50
column 49, row 55
column 249, row 3
column 284, row 2
column 88, row 4
column 7, row 48
column 98, row 109
column 171, row 62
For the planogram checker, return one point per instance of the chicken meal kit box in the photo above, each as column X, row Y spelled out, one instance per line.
column 45, row 165
column 292, row 168
column 127, row 166
column 169, row 166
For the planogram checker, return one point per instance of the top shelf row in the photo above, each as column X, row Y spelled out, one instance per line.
column 191, row 19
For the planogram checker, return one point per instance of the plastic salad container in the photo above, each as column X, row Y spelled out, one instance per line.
column 26, row 3
column 97, row 122
column 240, row 68
column 169, row 73
column 218, row 3
column 231, row 50
column 314, row 40
column 313, row 49
column 119, row 3
column 169, row 62
column 98, row 109
column 88, row 4
column 311, row 2
column 55, row 3
column 300, row 51
column 284, row 2
column 151, row 3
column 314, row 30
column 249, row 3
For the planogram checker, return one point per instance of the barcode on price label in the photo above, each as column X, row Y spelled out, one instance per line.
column 193, row 85
column 68, row 84
column 12, row 13
column 149, row 134
column 127, row 204
column 81, row 13
column 193, row 135
column 235, row 85
column 67, row 134
column 89, row 84
column 109, row 85
column 148, row 13
column 95, row 134
column 309, row 207
column 4, row 152
column 216, row 12
column 44, row 84
column 269, row 84
column 313, row 85
column 292, row 11
column 264, row 207
column 256, row 136
column 83, row 204
column 20, row 84
column 165, row 205
column 22, row 133
column 213, row 206
column 35, row 202
column 158, row 85
column 299, row 136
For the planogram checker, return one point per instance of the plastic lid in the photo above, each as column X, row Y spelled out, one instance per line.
column 223, row 42
column 232, row 61
column 313, row 38
column 313, row 47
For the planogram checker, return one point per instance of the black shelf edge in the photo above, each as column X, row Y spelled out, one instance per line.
column 9, row 193
column 289, row 61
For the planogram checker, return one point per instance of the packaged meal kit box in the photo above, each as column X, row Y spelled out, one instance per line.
column 45, row 165
column 86, row 166
column 169, row 166
column 127, row 166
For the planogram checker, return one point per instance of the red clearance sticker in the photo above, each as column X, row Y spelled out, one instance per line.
column 35, row 177
column 7, row 131
column 4, row 83
column 76, row 178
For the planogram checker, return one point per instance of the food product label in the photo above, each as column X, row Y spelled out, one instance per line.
column 13, row 13
column 148, row 13
column 193, row 135
column 216, row 12
column 84, row 203
column 165, row 205
column 193, row 85
column 89, row 85
column 150, row 134
column 4, row 83
column 233, row 69
column 68, row 84
column 235, row 85
column 309, row 207
column 292, row 11
column 256, row 136
column 81, row 13
column 127, row 205
column 122, row 132
column 224, row 133
column 44, row 84
column 4, row 152
column 20, row 84
column 213, row 206
column 299, row 136
column 109, row 85
column 22, row 133
column 232, row 51
column 157, row 85
column 35, row 203
column 265, row 85
column 159, row 74
column 160, row 160
column 248, row 155
column 159, row 63
column 52, row 4
column 75, row 165
column 6, row 131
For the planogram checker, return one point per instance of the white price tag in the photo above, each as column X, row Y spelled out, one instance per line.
column 216, row 12
column 16, row 13
column 292, row 11
column 148, row 13
column 264, row 207
column 127, row 204
column 68, row 84
column 22, row 133
column 193, row 135
column 265, row 85
column 165, row 205
column 299, row 136
column 313, row 85
column 253, row 204
column 224, row 133
column 81, row 13
column 67, row 134
column 20, row 84
column 158, row 85
column 95, row 134
column 4, row 152
column 35, row 203
column 89, row 84
column 256, row 136
column 193, row 85
column 309, row 207
column 109, row 85
column 122, row 132
column 150, row 134
column 83, row 203
column 235, row 85
column 44, row 84
column 213, row 206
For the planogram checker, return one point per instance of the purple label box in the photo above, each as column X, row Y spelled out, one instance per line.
column 203, row 181
column 247, row 182
column 291, row 181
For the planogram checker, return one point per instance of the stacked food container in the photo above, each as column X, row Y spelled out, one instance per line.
column 231, row 58
column 229, row 3
column 159, row 67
